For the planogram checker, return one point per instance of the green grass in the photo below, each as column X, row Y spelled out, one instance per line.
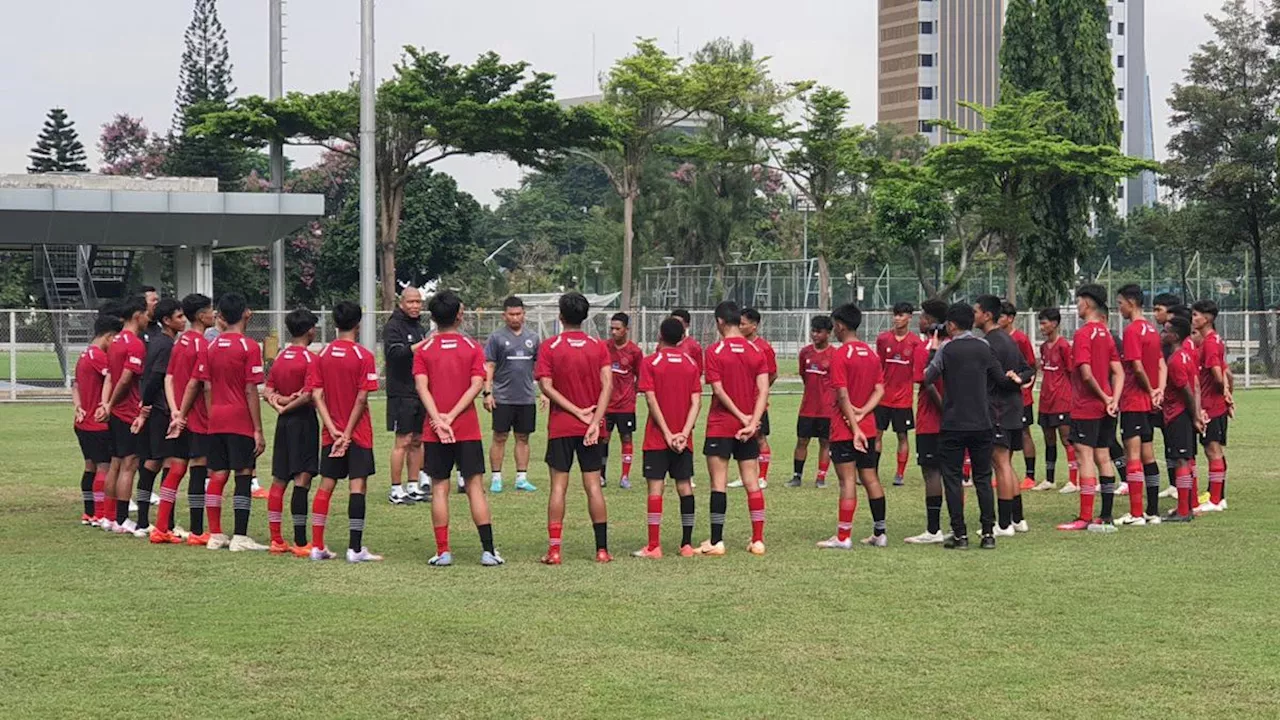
column 38, row 365
column 1172, row 621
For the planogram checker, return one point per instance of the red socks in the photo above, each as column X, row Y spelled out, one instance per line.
column 1088, row 491
column 1134, row 478
column 553, row 535
column 319, row 516
column 655, row 520
column 275, row 511
column 755, row 503
column 627, row 456
column 823, row 466
column 442, row 539
column 1217, row 479
column 213, row 502
column 904, row 454
column 1182, row 479
column 169, row 494
column 968, row 466
column 100, row 494
column 766, row 455
column 844, row 523
column 1073, row 467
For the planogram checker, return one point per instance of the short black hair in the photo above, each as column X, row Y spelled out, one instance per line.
column 574, row 308
column 512, row 302
column 751, row 315
column 299, row 322
column 820, row 322
column 231, row 307
column 346, row 315
column 165, row 308
column 671, row 331
column 130, row 306
column 1008, row 309
column 934, row 308
column 1133, row 293
column 104, row 324
column 961, row 315
column 1096, row 293
column 1206, row 307
column 1180, row 326
column 682, row 314
column 1181, row 311
column 903, row 308
column 623, row 318
column 1166, row 300
column 729, row 312
column 990, row 304
column 444, row 307
column 194, row 304
column 848, row 315
column 146, row 289
column 1051, row 314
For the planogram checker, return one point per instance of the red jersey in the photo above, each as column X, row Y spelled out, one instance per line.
column 1142, row 344
column 1213, row 354
column 572, row 360
column 127, row 352
column 190, row 359
column 1190, row 346
column 235, row 362
column 690, row 347
column 897, row 357
column 735, row 364
column 290, row 371
column 1057, row 370
column 1094, row 345
column 1182, row 374
column 1029, row 354
column 343, row 369
column 815, row 371
column 928, row 414
column 625, row 362
column 674, row 379
column 450, row 360
column 770, row 357
column 91, row 373
column 858, row 370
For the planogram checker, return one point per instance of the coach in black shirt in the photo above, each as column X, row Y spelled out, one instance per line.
column 970, row 372
column 402, row 336
column 1007, row 413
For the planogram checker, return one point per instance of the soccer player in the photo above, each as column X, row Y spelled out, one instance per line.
column 1096, row 385
column 1144, row 382
column 1008, row 408
column 1009, row 316
column 402, row 337
column 126, row 358
column 672, row 387
column 688, row 345
column 750, row 331
column 162, row 451
column 509, row 355
column 625, row 358
column 295, row 449
column 897, row 349
column 1181, row 410
column 449, row 373
column 341, row 380
column 859, row 383
column 817, row 403
column 93, row 434
column 1216, row 402
column 573, row 371
column 738, row 373
column 189, row 422
column 1162, row 306
column 933, row 314
column 233, row 373
column 1055, row 400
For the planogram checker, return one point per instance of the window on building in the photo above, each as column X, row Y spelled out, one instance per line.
column 1120, row 93
column 1121, row 126
column 926, row 60
column 1119, row 61
column 1119, row 28
column 925, row 126
column 1120, row 191
column 926, row 27
column 926, row 93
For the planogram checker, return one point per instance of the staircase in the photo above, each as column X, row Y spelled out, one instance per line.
column 79, row 277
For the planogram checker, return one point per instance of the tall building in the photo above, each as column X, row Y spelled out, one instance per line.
column 1127, row 33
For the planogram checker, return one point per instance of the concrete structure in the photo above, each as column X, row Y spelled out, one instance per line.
column 1127, row 33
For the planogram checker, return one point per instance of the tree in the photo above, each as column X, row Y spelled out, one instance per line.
column 127, row 148
column 912, row 214
column 58, row 149
column 1022, row 62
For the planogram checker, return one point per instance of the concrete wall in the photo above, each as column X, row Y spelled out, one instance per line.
column 90, row 181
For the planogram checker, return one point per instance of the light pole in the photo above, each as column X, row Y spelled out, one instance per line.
column 848, row 278
column 595, row 266
column 367, row 178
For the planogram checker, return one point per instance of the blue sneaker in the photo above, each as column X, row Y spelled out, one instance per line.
column 491, row 559
column 624, row 483
column 496, row 485
column 525, row 486
column 444, row 559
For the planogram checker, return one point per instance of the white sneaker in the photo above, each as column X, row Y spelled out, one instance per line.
column 735, row 484
column 1222, row 505
column 1102, row 527
column 107, row 524
column 318, row 553
column 363, row 556
column 763, row 483
column 925, row 538
column 881, row 540
column 1130, row 520
column 1123, row 488
column 834, row 543
column 244, row 543
column 217, row 541
column 1021, row 526
column 180, row 532
column 1169, row 492
column 133, row 506
column 143, row 532
column 462, row 485
column 127, row 527
column 1069, row 488
column 1003, row 532
column 155, row 499
column 968, row 482
column 1044, row 485
column 424, row 480
column 1209, row 507
column 1152, row 519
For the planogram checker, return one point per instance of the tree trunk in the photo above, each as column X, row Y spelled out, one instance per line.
column 389, row 205
column 824, row 281
column 1011, row 272
column 628, row 236
column 1264, row 338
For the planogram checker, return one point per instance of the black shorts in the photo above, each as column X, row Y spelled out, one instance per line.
column 295, row 450
column 521, row 418
column 95, row 445
column 1099, row 433
column 1028, row 415
column 561, row 451
column 1048, row 421
column 813, row 427
column 123, row 442
column 356, row 463
column 230, row 452
column 928, row 447
column 659, row 464
column 439, row 459
column 765, row 427
column 1007, row 438
column 1156, row 419
column 1136, row 424
column 844, row 452
column 1216, row 431
column 1180, row 438
column 624, row 422
column 900, row 418
column 729, row 447
column 405, row 415
column 197, row 444
column 160, row 447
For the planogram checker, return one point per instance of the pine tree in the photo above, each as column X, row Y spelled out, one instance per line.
column 58, row 149
column 1021, row 51
column 1075, row 32
column 204, row 86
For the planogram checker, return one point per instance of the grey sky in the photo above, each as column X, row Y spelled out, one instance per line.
column 99, row 58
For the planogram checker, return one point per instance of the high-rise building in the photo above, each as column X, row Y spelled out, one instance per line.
column 1127, row 33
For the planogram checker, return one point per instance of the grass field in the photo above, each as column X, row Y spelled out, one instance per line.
column 1171, row 621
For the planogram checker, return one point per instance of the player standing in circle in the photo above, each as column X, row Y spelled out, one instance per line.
column 750, row 331
column 933, row 315
column 295, row 450
column 1182, row 418
column 1161, row 310
column 688, row 345
column 1008, row 322
column 1008, row 408
column 402, row 337
column 1144, row 383
column 162, row 451
column 1217, row 405
column 897, row 349
column 92, row 433
column 510, row 354
column 1055, row 400
column 126, row 357
column 816, row 405
column 624, row 361
column 189, row 423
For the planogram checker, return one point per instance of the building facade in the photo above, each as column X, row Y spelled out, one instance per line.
column 1127, row 33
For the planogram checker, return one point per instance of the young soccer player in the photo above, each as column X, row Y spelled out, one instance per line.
column 933, row 314
column 1008, row 407
column 1181, row 410
column 93, row 434
column 233, row 372
column 162, row 450
column 341, row 380
column 688, row 345
column 1055, row 400
column 1161, row 308
column 189, row 423
column 573, row 371
column 750, row 330
column 1216, row 402
column 897, row 349
column 295, row 449
column 1096, row 385
column 738, row 374
column 817, row 403
column 859, row 383
column 625, row 358
column 1144, row 382
column 1008, row 318
column 126, row 358
column 672, row 388
column 449, row 373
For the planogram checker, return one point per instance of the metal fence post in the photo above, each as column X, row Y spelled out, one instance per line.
column 1248, row 352
column 13, row 355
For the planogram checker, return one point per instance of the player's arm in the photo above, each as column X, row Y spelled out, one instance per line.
column 75, row 401
column 549, row 391
column 717, row 389
column 297, row 400
column 1117, row 381
column 1091, row 383
column 655, row 412
column 317, row 398
column 851, row 416
column 695, row 407
column 441, row 424
column 602, row 404
column 468, row 398
column 933, row 370
column 121, row 388
column 489, row 402
column 1140, row 374
column 1191, row 397
column 255, row 413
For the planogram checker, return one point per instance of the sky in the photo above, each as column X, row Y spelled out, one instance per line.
column 99, row 58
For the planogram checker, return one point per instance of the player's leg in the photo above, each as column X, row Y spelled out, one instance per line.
column 688, row 512
column 298, row 509
column 628, row 456
column 605, row 438
column 1150, row 477
column 1215, row 450
column 109, row 493
column 748, row 456
column 169, row 485
column 765, row 459
column 331, row 470
column 147, row 471
column 124, row 488
column 198, row 464
column 480, row 515
column 847, row 480
column 559, row 463
column 219, row 471
column 951, row 453
column 97, row 489
column 980, row 446
column 1082, row 439
column 903, row 457
column 1006, row 482
column 653, row 520
column 1050, row 456
column 718, row 476
column 1105, row 462
column 442, row 486
column 824, row 461
column 1130, row 433
column 1028, row 449
column 86, row 491
column 242, row 498
column 497, row 449
column 927, row 456
column 868, row 465
column 801, row 453
column 275, row 514
column 356, row 550
column 1073, row 462
column 522, row 454
column 590, row 463
column 400, row 450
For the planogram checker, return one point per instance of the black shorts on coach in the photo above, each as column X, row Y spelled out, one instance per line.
column 660, row 464
column 1028, row 415
column 356, row 463
column 1048, row 421
column 229, row 452
column 295, row 450
column 95, row 445
column 928, row 449
column 1216, row 431
column 1136, row 424
column 729, row 447
column 123, row 442
column 900, row 418
column 521, row 418
column 1180, row 438
column 561, row 452
column 625, row 423
column 1156, row 418
column 1099, row 433
column 1010, row 438
column 197, row 444
column 439, row 459
column 160, row 447
column 765, row 427
column 405, row 415
column 844, row 452
column 813, row 427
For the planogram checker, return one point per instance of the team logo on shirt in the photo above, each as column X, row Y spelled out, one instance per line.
column 528, row 342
